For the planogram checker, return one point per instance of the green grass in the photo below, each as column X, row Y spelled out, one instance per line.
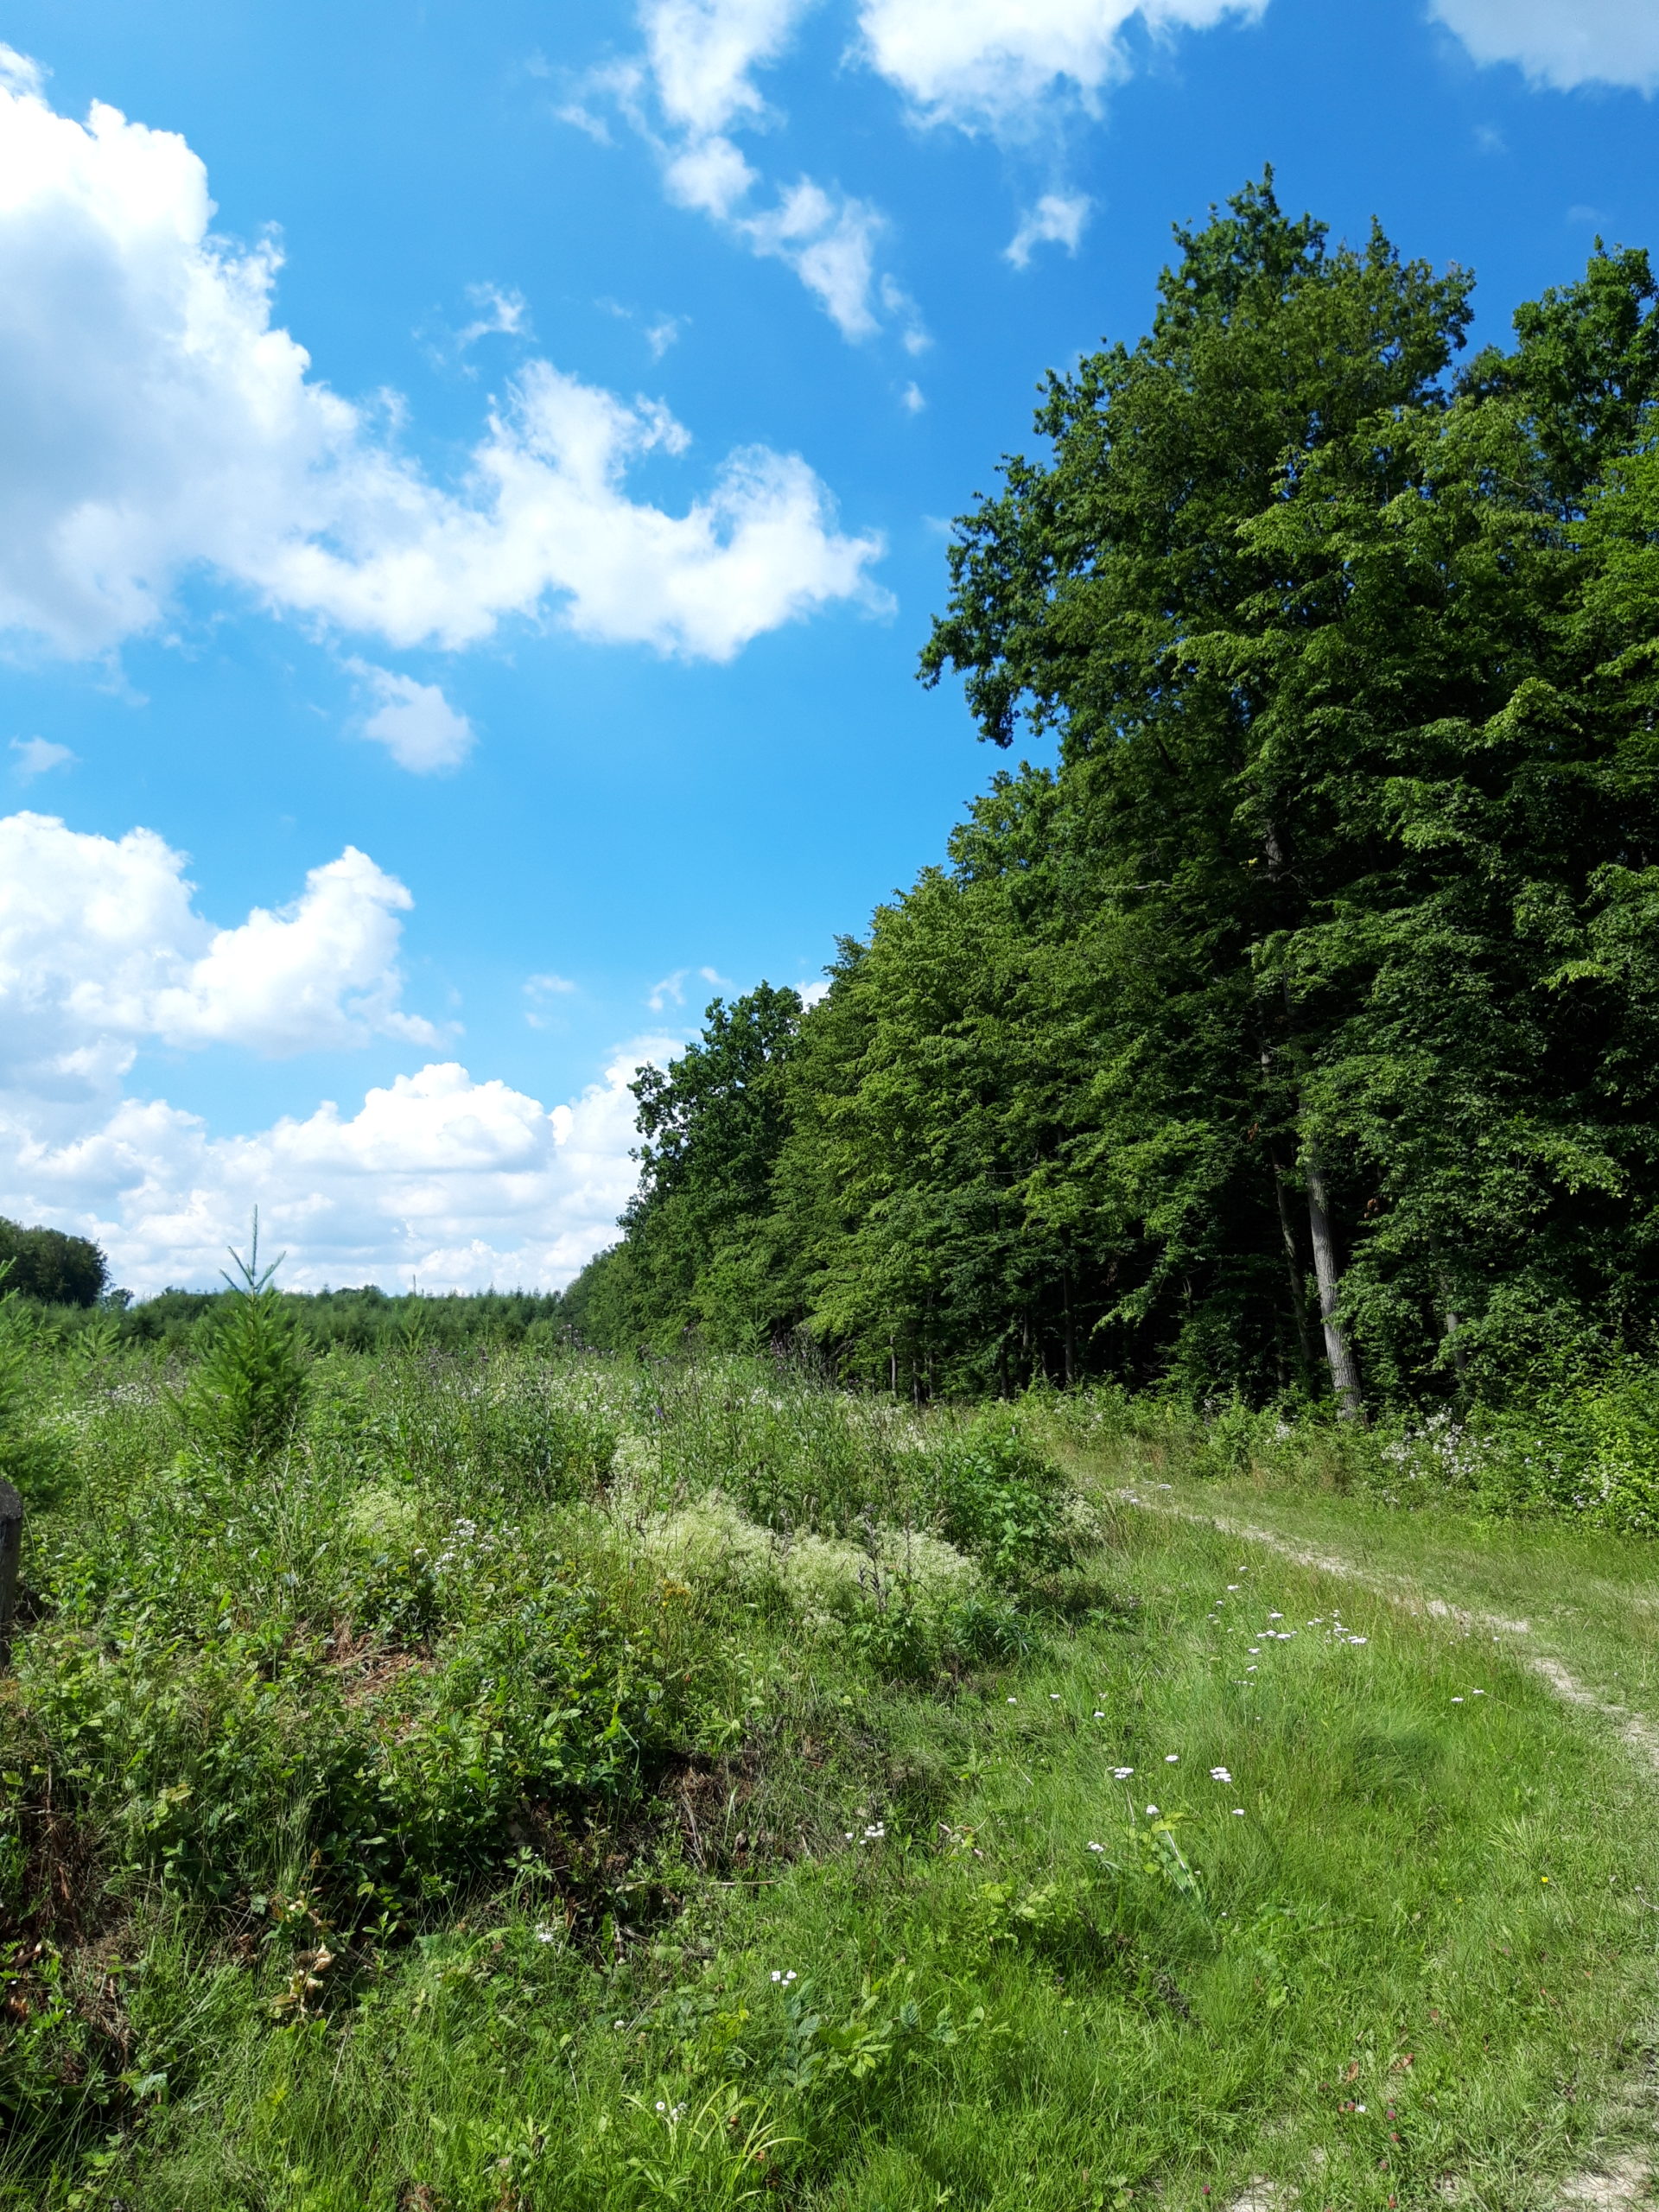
column 376, row 1863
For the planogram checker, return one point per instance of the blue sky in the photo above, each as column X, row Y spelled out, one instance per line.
column 403, row 736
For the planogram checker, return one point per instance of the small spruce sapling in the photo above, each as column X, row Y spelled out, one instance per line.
column 244, row 1400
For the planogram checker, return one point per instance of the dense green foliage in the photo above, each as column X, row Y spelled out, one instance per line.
column 47, row 1265
column 548, row 1784
column 1301, row 1022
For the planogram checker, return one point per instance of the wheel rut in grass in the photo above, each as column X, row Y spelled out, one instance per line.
column 1624, row 2183
column 1640, row 1734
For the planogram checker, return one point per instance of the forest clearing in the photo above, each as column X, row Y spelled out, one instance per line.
column 530, row 1779
column 1066, row 1621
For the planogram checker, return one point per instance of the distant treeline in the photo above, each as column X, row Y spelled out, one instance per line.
column 1298, row 1033
column 371, row 1320
column 70, row 1276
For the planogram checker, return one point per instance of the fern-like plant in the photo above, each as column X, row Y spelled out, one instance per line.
column 244, row 1399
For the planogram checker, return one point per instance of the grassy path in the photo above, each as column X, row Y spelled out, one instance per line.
column 1639, row 1734
column 1579, row 1611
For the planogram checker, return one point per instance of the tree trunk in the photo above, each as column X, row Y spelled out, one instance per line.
column 1281, row 1199
column 1345, row 1367
column 1294, row 1271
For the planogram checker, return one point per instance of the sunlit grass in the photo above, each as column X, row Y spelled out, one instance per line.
column 876, row 1940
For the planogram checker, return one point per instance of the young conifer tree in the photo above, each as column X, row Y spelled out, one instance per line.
column 244, row 1401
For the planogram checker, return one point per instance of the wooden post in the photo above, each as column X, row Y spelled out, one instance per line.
column 11, row 1543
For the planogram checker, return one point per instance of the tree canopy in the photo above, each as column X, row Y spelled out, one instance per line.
column 48, row 1265
column 1297, row 1030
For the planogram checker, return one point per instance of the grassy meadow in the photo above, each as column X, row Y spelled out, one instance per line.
column 533, row 1780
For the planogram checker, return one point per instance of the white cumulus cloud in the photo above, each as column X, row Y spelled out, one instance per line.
column 998, row 64
column 979, row 64
column 457, row 1182
column 496, row 313
column 829, row 240
column 102, row 951
column 415, row 722
column 1561, row 43
column 154, row 421
column 1057, row 219
column 702, row 54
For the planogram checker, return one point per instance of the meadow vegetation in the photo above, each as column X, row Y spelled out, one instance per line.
column 527, row 1779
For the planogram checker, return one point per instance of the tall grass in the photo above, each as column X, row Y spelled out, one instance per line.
column 541, row 1781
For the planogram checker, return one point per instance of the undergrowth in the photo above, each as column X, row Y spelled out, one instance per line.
column 1584, row 1451
column 519, row 1780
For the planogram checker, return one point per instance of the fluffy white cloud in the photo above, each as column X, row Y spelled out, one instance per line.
column 692, row 86
column 827, row 237
column 1561, row 43
column 102, row 951
column 437, row 1176
column 154, row 421
column 998, row 63
column 829, row 240
column 702, row 54
column 415, row 722
column 37, row 755
column 459, row 1181
column 549, row 511
column 1057, row 219
column 499, row 314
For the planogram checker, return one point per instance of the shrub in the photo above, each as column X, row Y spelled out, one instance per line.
column 395, row 1741
column 499, row 1422
column 908, row 1602
column 996, row 1491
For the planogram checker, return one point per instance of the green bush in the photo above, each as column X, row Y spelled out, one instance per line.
column 996, row 1490
column 1589, row 1453
column 393, row 1724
